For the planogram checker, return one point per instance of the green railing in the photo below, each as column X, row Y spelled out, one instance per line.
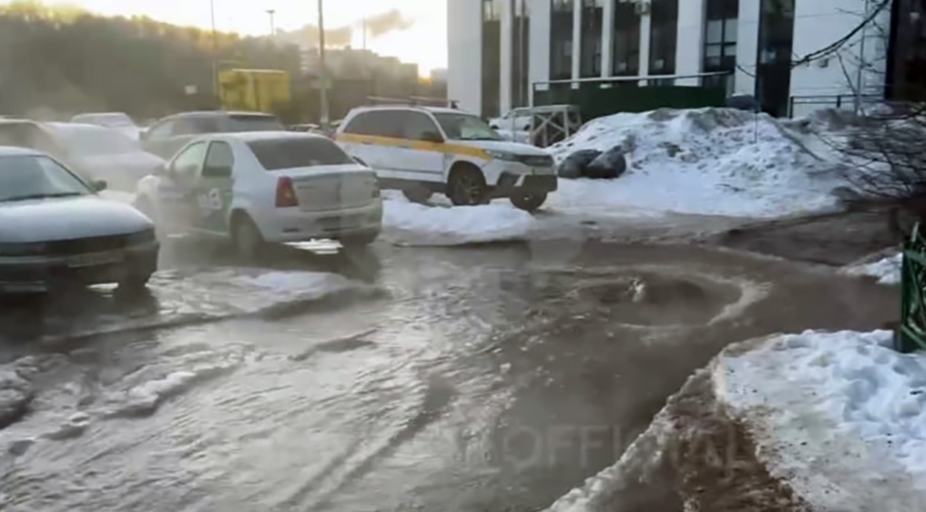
column 911, row 335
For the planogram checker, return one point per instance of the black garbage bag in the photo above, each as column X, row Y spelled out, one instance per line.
column 574, row 165
column 608, row 165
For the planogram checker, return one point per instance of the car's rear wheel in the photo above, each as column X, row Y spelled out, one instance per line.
column 358, row 241
column 246, row 237
column 468, row 187
column 417, row 193
column 529, row 202
column 134, row 282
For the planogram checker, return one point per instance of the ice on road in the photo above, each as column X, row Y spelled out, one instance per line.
column 885, row 270
column 839, row 415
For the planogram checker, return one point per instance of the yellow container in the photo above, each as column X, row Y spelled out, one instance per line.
column 257, row 90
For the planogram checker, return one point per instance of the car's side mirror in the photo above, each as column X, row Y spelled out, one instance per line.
column 432, row 137
column 160, row 170
column 98, row 185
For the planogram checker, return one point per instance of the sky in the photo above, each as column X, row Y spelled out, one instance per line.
column 424, row 42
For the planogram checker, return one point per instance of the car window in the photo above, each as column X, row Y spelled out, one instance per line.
column 379, row 123
column 251, row 123
column 91, row 141
column 416, row 124
column 196, row 125
column 187, row 163
column 359, row 125
column 161, row 131
column 28, row 135
column 466, row 127
column 36, row 176
column 219, row 160
column 292, row 152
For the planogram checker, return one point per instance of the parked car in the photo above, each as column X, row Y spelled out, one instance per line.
column 171, row 133
column 264, row 187
column 426, row 150
column 118, row 121
column 56, row 230
column 91, row 151
column 99, row 153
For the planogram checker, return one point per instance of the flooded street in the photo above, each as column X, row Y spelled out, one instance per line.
column 398, row 379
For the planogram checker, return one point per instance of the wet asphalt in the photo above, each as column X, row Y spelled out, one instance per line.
column 489, row 378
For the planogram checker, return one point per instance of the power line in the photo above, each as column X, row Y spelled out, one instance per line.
column 832, row 48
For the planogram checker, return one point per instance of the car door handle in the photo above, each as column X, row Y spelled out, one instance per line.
column 366, row 143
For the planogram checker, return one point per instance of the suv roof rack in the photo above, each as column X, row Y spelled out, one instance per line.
column 418, row 101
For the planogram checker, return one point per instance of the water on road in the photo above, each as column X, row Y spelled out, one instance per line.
column 468, row 379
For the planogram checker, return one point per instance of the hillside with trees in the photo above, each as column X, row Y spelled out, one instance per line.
column 56, row 61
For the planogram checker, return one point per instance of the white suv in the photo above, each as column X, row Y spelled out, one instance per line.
column 423, row 150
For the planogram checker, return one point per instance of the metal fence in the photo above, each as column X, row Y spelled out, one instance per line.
column 802, row 105
column 911, row 334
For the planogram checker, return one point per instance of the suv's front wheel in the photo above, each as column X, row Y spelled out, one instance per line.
column 467, row 187
column 529, row 201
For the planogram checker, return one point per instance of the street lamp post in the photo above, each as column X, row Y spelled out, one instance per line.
column 323, row 69
column 272, row 28
column 215, row 52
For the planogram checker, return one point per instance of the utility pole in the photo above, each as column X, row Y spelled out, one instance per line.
column 272, row 28
column 323, row 68
column 215, row 56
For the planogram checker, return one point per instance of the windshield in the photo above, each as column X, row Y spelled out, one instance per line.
column 275, row 154
column 466, row 127
column 25, row 177
column 108, row 120
column 253, row 123
column 90, row 141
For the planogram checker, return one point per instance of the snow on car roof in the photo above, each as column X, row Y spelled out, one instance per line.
column 401, row 106
column 267, row 135
column 17, row 151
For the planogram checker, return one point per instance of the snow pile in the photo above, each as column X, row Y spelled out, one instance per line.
column 886, row 270
column 438, row 225
column 704, row 161
column 840, row 416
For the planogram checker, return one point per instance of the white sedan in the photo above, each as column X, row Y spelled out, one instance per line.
column 264, row 187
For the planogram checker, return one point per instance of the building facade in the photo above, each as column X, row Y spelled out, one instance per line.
column 500, row 50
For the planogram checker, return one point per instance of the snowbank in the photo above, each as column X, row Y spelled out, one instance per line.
column 706, row 161
column 840, row 416
column 445, row 225
column 886, row 270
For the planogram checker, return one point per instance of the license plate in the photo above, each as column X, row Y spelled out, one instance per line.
column 89, row 260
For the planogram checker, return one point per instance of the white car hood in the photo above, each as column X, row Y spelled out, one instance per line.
column 67, row 218
column 503, row 145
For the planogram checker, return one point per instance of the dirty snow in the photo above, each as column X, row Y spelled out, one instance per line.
column 420, row 224
column 706, row 161
column 839, row 415
column 886, row 270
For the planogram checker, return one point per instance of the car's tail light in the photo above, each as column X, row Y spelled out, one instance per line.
column 376, row 188
column 286, row 194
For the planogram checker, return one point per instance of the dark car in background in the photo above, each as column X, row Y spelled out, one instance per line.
column 168, row 135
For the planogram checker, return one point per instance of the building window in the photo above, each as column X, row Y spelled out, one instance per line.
column 663, row 36
column 520, row 53
column 592, row 16
column 625, row 59
column 491, row 57
column 720, row 30
column 561, row 39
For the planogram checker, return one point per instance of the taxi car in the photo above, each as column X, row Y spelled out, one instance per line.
column 264, row 187
column 427, row 150
column 55, row 230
